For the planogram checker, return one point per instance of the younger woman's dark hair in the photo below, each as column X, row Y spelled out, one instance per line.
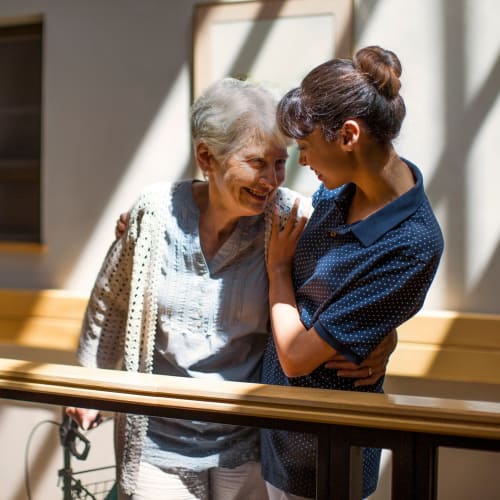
column 364, row 88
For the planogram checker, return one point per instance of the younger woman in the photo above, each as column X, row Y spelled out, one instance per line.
column 366, row 258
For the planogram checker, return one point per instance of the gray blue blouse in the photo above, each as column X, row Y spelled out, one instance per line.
column 213, row 323
column 158, row 306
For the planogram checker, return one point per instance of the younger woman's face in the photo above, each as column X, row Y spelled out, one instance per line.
column 247, row 180
column 325, row 159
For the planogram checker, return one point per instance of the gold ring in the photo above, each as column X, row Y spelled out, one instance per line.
column 370, row 372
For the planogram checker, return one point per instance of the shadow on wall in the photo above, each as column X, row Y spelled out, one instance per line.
column 26, row 421
column 134, row 72
column 124, row 122
column 449, row 186
column 125, row 106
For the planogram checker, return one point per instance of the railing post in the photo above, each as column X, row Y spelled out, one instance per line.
column 346, row 465
column 426, row 450
column 339, row 464
column 403, row 466
column 323, row 463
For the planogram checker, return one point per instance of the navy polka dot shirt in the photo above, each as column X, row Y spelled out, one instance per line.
column 354, row 283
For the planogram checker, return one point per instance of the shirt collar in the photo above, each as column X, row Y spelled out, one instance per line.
column 376, row 225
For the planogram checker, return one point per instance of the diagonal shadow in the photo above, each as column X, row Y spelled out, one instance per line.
column 449, row 184
column 38, row 465
column 247, row 55
column 487, row 286
column 463, row 123
column 464, row 132
column 255, row 39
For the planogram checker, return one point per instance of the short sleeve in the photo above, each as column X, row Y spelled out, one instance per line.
column 362, row 313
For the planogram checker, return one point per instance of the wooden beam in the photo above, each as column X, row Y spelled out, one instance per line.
column 142, row 393
column 435, row 345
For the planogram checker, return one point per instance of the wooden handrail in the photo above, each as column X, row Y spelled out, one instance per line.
column 412, row 427
column 154, row 394
column 42, row 326
column 436, row 345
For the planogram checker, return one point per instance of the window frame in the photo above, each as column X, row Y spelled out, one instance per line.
column 21, row 122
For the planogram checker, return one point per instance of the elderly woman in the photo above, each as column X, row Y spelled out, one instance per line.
column 184, row 293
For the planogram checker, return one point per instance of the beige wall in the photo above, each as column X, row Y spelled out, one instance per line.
column 116, row 92
column 117, row 86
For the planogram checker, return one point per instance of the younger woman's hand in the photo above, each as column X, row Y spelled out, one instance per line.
column 283, row 241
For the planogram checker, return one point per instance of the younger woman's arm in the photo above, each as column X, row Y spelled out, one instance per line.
column 299, row 350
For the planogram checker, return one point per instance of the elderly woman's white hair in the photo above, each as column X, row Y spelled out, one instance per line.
column 230, row 113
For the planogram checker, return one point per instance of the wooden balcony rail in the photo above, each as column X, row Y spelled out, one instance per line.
column 42, row 326
column 412, row 427
column 436, row 345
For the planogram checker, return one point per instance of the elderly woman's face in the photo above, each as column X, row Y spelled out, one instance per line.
column 248, row 179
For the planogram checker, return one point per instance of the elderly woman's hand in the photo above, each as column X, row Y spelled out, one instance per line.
column 85, row 418
column 372, row 368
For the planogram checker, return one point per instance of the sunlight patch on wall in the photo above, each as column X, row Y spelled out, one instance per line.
column 422, row 88
column 270, row 65
column 162, row 155
column 483, row 181
column 482, row 45
column 483, row 176
column 439, row 293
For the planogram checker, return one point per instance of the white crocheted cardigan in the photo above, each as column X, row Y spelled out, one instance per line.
column 120, row 321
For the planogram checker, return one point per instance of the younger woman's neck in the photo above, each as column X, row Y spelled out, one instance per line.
column 382, row 178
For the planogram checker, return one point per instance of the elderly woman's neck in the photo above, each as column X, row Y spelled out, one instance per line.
column 216, row 224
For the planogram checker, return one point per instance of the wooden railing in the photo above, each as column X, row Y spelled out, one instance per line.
column 42, row 326
column 412, row 427
column 436, row 345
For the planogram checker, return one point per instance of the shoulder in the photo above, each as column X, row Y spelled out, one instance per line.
column 150, row 208
column 424, row 231
column 416, row 243
column 284, row 200
column 154, row 192
column 286, row 195
column 327, row 195
column 155, row 198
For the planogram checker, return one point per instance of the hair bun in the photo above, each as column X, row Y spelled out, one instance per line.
column 382, row 67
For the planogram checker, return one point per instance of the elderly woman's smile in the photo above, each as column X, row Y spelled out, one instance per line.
column 257, row 194
column 246, row 181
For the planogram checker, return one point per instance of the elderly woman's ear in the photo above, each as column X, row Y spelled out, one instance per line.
column 204, row 158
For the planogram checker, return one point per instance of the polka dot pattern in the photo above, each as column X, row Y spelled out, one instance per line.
column 354, row 283
column 120, row 322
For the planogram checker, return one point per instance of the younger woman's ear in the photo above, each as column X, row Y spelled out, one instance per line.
column 349, row 134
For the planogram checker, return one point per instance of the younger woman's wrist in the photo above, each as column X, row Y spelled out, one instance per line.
column 279, row 272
